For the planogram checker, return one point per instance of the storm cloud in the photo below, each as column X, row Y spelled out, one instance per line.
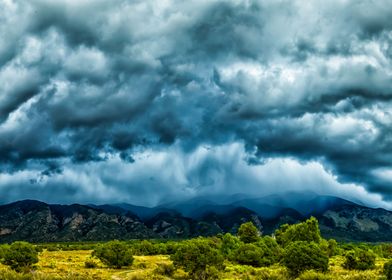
column 141, row 101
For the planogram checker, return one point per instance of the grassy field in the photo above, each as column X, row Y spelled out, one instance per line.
column 71, row 265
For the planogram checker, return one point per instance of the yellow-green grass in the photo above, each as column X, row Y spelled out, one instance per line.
column 71, row 265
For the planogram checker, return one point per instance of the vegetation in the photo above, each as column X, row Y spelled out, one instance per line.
column 20, row 256
column 388, row 270
column 286, row 255
column 360, row 259
column 306, row 231
column 114, row 254
column 250, row 254
column 200, row 257
column 248, row 233
column 300, row 256
column 229, row 245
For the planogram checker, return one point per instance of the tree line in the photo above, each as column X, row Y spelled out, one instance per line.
column 299, row 248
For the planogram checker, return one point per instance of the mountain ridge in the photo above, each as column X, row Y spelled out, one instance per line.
column 341, row 219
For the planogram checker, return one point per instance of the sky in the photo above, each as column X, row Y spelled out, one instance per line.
column 152, row 101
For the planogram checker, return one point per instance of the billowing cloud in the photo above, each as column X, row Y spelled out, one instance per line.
column 301, row 90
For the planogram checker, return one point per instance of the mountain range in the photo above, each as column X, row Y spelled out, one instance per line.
column 341, row 219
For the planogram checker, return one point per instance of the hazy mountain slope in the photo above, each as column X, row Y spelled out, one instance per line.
column 356, row 223
column 40, row 222
column 196, row 208
column 306, row 204
column 142, row 212
column 36, row 221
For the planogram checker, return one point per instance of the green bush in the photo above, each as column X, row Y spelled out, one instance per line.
column 248, row 233
column 3, row 248
column 196, row 255
column 211, row 273
column 305, row 231
column 272, row 250
column 300, row 256
column 145, row 248
column 90, row 263
column 165, row 269
column 171, row 247
column 329, row 246
column 314, row 275
column 161, row 248
column 388, row 270
column 250, row 254
column 20, row 256
column 270, row 274
column 229, row 244
column 263, row 253
column 114, row 254
column 6, row 274
column 359, row 259
column 385, row 250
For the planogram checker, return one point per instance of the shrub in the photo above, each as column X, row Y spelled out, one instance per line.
column 333, row 248
column 270, row 274
column 210, row 273
column 160, row 248
column 2, row 251
column 359, row 259
column 145, row 248
column 171, row 247
column 263, row 253
column 249, row 254
column 196, row 255
column 388, row 270
column 385, row 250
column 20, row 255
column 52, row 249
column 248, row 233
column 329, row 246
column 165, row 269
column 90, row 263
column 314, row 275
column 114, row 254
column 305, row 231
column 363, row 275
column 229, row 244
column 272, row 250
column 300, row 256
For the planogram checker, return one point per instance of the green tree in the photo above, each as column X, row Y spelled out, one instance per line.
column 199, row 257
column 20, row 255
column 264, row 252
column 360, row 259
column 145, row 248
column 388, row 270
column 305, row 231
column 300, row 256
column 229, row 244
column 272, row 250
column 2, row 251
column 114, row 254
column 329, row 246
column 249, row 254
column 248, row 233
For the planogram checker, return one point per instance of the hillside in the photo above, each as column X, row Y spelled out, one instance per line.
column 36, row 221
column 40, row 222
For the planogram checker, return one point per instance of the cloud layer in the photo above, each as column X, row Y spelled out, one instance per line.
column 88, row 89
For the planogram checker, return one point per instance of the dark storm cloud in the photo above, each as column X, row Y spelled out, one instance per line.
column 81, row 82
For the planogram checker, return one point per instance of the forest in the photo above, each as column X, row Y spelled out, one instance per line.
column 296, row 251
